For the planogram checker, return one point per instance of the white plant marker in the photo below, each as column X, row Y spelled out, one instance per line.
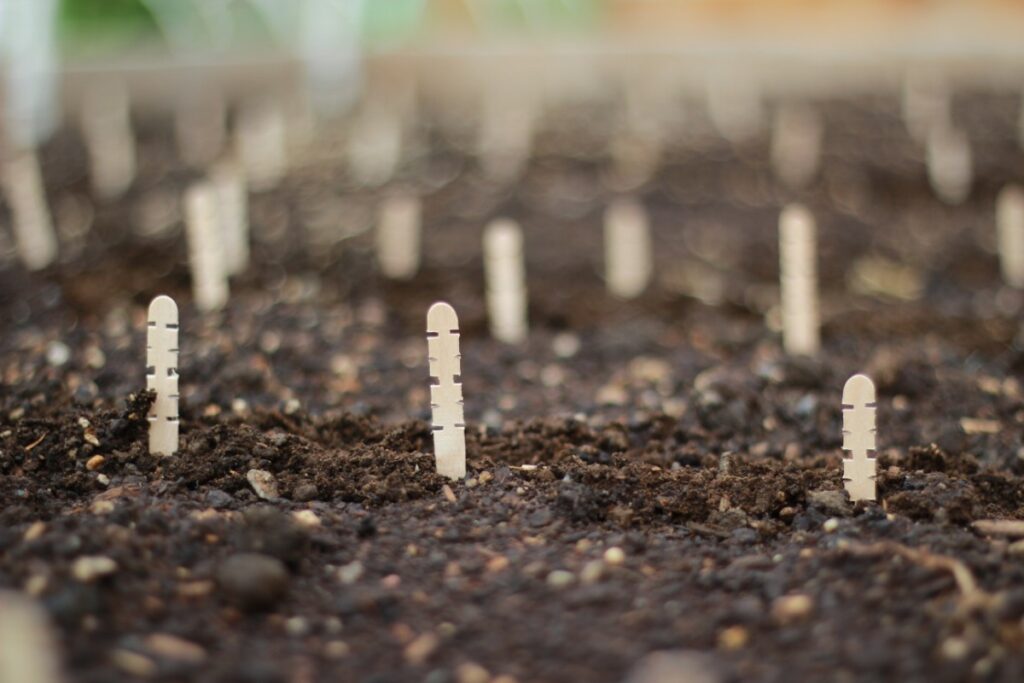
column 449, row 422
column 799, row 281
column 948, row 155
column 28, row 648
column 200, row 126
column 30, row 217
column 505, row 136
column 1010, row 234
column 107, row 130
column 162, row 375
column 859, row 469
column 627, row 249
column 734, row 107
column 398, row 236
column 375, row 142
column 926, row 103
column 233, row 209
column 506, row 281
column 796, row 144
column 262, row 143
column 205, row 247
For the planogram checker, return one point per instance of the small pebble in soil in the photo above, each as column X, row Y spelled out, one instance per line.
column 733, row 638
column 252, row 580
column 831, row 525
column 350, row 573
column 833, row 502
column 263, row 483
column 614, row 556
column 471, row 672
column 57, row 354
column 560, row 578
column 92, row 567
column 789, row 609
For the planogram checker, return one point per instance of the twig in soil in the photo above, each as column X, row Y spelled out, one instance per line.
column 970, row 593
column 162, row 375
column 1010, row 230
column 799, row 281
column 859, row 469
column 449, row 422
column 506, row 281
column 627, row 249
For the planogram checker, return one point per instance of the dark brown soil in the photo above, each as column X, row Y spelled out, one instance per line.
column 651, row 475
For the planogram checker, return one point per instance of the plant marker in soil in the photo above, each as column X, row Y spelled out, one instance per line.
column 1010, row 234
column 449, row 423
column 205, row 247
column 799, row 281
column 162, row 375
column 506, row 281
column 505, row 138
column 200, row 126
column 28, row 649
column 926, row 103
column 859, row 437
column 30, row 217
column 233, row 209
column 375, row 143
column 627, row 249
column 948, row 156
column 796, row 145
column 261, row 143
column 398, row 236
column 107, row 131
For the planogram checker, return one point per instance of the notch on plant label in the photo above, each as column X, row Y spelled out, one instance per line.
column 446, row 403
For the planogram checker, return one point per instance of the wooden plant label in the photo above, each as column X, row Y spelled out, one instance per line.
column 859, row 469
column 162, row 375
column 449, row 424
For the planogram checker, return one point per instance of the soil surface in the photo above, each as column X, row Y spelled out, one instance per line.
column 650, row 476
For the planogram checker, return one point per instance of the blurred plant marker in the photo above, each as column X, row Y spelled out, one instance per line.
column 799, row 281
column 28, row 649
column 926, row 103
column 948, row 155
column 627, row 249
column 398, row 236
column 505, row 137
column 734, row 107
column 261, row 143
column 449, row 423
column 859, row 407
column 796, row 144
column 107, row 131
column 375, row 142
column 162, row 375
column 200, row 126
column 30, row 217
column 506, row 281
column 1010, row 234
column 233, row 210
column 205, row 247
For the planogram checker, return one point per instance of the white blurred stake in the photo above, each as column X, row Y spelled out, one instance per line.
column 449, row 423
column 796, row 144
column 398, row 236
column 505, row 138
column 261, row 141
column 799, row 281
column 859, row 469
column 205, row 247
column 200, row 126
column 1010, row 234
column 627, row 249
column 375, row 143
column 505, row 272
column 948, row 155
column 30, row 217
column 162, row 375
column 926, row 104
column 734, row 107
column 233, row 209
column 107, row 131
column 28, row 648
